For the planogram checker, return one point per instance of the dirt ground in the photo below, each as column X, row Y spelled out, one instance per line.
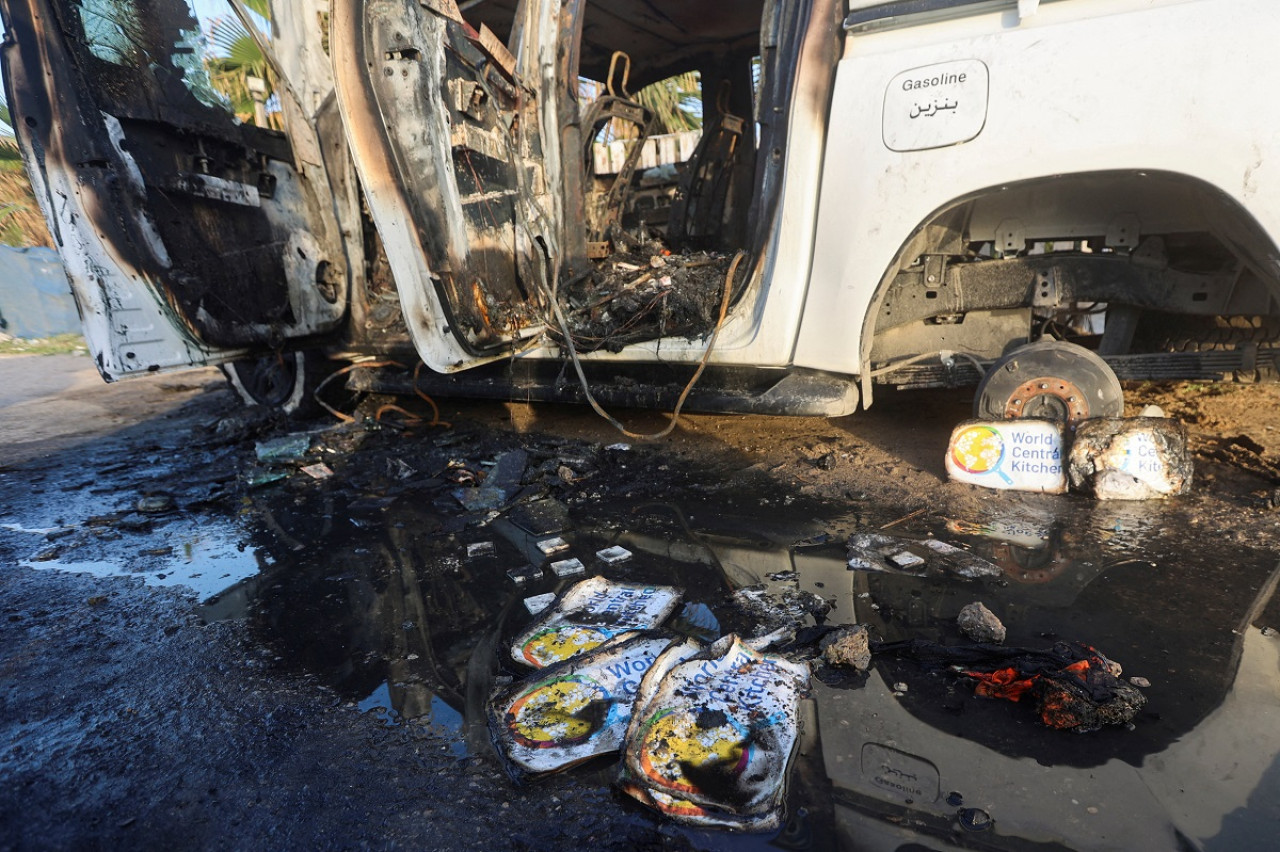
column 134, row 716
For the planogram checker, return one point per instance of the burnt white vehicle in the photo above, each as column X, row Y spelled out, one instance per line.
column 1041, row 196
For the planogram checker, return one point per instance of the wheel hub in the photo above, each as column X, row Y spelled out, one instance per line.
column 1050, row 380
column 1048, row 397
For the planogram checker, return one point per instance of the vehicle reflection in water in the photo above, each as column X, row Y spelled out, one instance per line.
column 382, row 603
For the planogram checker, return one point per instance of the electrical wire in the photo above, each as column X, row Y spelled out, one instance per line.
column 702, row 364
column 413, row 419
column 347, row 418
column 916, row 359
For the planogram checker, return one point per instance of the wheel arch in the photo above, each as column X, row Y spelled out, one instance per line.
column 1116, row 209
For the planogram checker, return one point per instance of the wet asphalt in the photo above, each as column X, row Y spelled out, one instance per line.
column 265, row 658
column 155, row 692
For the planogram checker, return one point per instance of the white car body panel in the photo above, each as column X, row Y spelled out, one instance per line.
column 1191, row 117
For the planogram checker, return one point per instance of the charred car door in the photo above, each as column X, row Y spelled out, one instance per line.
column 452, row 134
column 189, row 236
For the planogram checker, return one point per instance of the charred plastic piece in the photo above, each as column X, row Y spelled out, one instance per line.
column 849, row 647
column 712, row 736
column 578, row 709
column 774, row 606
column 1134, row 458
column 1074, row 686
column 590, row 614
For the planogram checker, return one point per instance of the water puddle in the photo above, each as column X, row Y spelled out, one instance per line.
column 381, row 600
column 208, row 556
column 40, row 531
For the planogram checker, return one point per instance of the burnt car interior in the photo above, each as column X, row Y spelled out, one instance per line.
column 231, row 222
column 646, row 251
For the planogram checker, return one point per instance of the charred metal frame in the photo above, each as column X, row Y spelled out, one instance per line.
column 938, row 287
column 952, row 269
column 186, row 235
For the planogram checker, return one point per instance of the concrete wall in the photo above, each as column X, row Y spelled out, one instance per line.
column 658, row 151
column 35, row 298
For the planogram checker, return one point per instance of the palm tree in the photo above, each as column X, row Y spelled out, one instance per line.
column 676, row 102
column 236, row 59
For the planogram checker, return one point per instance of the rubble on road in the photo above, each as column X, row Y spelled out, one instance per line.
column 615, row 555
column 537, row 604
column 499, row 486
column 848, row 647
column 155, row 504
column 481, row 550
column 287, row 448
column 524, row 574
column 552, row 546
column 980, row 624
column 775, row 606
column 568, row 567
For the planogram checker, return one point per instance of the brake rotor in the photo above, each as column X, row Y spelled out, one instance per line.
column 1048, row 398
column 1049, row 380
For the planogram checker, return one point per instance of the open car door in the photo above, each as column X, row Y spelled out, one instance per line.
column 189, row 237
column 455, row 141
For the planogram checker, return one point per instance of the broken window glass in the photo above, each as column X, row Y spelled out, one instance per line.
column 112, row 30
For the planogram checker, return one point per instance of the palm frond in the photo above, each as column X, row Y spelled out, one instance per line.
column 234, row 56
column 676, row 102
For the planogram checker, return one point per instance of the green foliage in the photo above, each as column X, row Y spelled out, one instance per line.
column 676, row 103
column 235, row 57
column 8, row 145
column 10, row 158
column 58, row 344
column 10, row 230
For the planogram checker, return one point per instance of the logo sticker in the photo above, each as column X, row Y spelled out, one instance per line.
column 560, row 712
column 704, row 744
column 562, row 642
column 935, row 106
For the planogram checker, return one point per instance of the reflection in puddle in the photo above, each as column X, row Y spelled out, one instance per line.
column 43, row 531
column 206, row 556
column 392, row 703
column 379, row 702
column 95, row 569
column 382, row 601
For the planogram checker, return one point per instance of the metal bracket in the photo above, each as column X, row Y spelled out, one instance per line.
column 935, row 271
column 1045, row 294
column 1123, row 231
column 1010, row 238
